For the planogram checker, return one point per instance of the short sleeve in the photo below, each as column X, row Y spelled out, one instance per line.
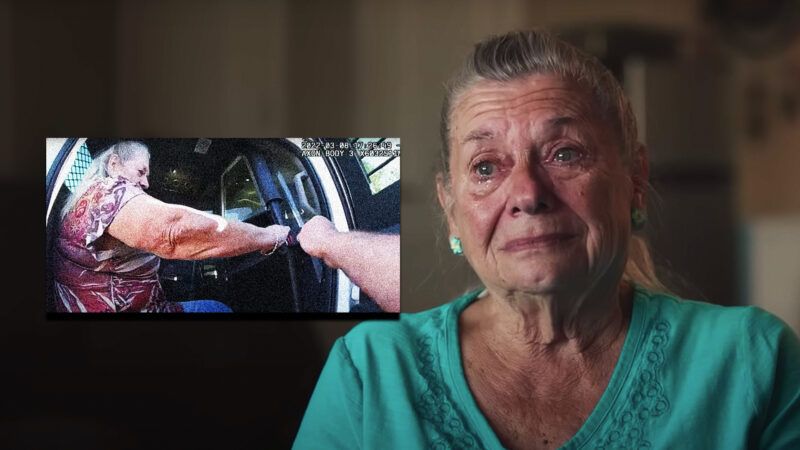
column 101, row 205
column 778, row 351
column 334, row 415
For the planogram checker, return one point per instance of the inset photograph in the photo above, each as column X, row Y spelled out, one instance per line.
column 243, row 226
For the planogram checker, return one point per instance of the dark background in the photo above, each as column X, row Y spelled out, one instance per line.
column 715, row 89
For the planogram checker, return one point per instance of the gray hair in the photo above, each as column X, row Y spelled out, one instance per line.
column 523, row 53
column 125, row 150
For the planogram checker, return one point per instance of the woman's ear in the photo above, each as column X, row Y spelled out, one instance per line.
column 113, row 165
column 446, row 202
column 640, row 171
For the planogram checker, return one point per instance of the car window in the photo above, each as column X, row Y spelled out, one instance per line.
column 380, row 159
column 291, row 178
column 240, row 196
column 82, row 162
column 75, row 159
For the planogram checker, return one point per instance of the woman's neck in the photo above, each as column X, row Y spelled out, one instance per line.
column 518, row 324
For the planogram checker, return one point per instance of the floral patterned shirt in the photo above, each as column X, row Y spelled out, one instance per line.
column 95, row 272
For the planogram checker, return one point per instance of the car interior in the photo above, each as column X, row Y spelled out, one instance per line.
column 259, row 181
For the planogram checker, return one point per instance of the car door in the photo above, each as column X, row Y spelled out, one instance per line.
column 283, row 186
column 254, row 189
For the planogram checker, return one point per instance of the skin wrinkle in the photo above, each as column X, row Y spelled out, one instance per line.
column 220, row 221
column 509, row 106
column 564, row 134
column 562, row 401
column 514, row 103
column 499, row 122
column 542, row 180
column 501, row 91
column 539, row 348
column 193, row 233
column 177, row 231
column 537, row 402
column 173, row 236
column 181, row 233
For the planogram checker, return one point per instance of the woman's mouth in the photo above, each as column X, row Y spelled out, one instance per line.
column 539, row 241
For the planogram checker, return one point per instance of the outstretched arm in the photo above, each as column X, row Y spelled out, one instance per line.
column 179, row 232
column 371, row 260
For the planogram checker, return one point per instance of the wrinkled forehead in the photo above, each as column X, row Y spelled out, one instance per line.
column 536, row 97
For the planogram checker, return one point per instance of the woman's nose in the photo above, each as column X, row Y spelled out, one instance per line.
column 528, row 192
column 144, row 183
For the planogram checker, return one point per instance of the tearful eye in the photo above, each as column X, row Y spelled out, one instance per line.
column 566, row 155
column 484, row 169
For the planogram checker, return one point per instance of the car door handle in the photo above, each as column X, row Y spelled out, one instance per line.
column 302, row 197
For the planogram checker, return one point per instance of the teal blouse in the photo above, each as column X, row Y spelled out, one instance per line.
column 690, row 375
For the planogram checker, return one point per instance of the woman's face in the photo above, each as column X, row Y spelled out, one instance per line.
column 539, row 195
column 136, row 170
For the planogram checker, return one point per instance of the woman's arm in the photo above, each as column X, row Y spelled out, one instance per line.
column 371, row 260
column 179, row 232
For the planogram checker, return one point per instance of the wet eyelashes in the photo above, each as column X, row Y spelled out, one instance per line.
column 488, row 168
column 567, row 155
column 484, row 169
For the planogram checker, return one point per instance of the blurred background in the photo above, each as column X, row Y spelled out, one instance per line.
column 715, row 85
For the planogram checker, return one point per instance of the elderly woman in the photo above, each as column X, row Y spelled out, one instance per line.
column 572, row 342
column 112, row 236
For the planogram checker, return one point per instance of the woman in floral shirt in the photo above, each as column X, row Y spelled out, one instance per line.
column 113, row 236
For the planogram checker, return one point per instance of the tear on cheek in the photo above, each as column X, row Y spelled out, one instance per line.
column 482, row 189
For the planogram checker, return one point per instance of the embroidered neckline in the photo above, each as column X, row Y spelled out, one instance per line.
column 435, row 403
column 605, row 406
